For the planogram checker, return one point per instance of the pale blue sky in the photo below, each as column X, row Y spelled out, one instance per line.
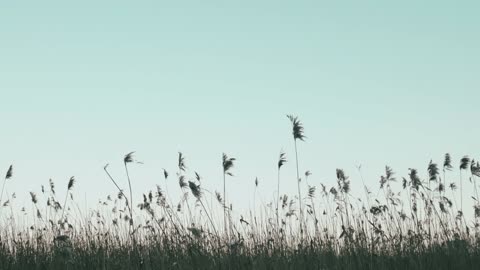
column 375, row 83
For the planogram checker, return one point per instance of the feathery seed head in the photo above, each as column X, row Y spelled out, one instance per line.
column 447, row 163
column 340, row 174
column 196, row 191
column 433, row 171
column 128, row 158
column 453, row 186
column 71, row 182
column 297, row 128
column 181, row 181
column 282, row 159
column 34, row 197
column 181, row 162
column 464, row 163
column 389, row 174
column 52, row 186
column 9, row 172
column 311, row 191
column 404, row 183
column 219, row 197
column 414, row 179
column 227, row 164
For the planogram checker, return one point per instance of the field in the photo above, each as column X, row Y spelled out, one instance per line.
column 420, row 226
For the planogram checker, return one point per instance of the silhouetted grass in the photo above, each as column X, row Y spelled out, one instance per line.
column 418, row 226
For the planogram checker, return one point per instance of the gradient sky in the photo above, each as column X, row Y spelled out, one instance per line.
column 83, row 83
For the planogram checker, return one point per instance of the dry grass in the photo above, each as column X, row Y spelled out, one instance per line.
column 418, row 226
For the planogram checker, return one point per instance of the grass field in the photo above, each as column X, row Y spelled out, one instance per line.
column 419, row 226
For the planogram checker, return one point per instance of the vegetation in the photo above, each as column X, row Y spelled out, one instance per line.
column 420, row 226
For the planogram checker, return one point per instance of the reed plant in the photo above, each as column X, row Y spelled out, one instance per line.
column 412, row 222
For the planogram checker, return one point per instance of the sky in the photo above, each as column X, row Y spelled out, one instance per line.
column 375, row 83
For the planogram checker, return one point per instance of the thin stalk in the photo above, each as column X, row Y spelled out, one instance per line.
column 461, row 192
column 299, row 193
column 1, row 196
column 225, row 206
column 129, row 186
column 278, row 198
column 65, row 204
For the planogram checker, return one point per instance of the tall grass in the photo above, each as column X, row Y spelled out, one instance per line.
column 408, row 222
column 298, row 134
column 282, row 159
column 227, row 164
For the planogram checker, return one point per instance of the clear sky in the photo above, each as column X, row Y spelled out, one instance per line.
column 83, row 83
